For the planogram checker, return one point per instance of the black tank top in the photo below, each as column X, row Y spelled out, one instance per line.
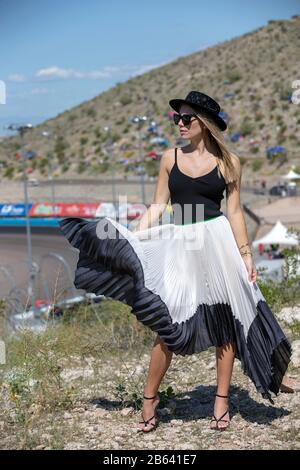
column 195, row 199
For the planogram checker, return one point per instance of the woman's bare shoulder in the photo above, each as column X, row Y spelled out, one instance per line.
column 168, row 158
column 168, row 152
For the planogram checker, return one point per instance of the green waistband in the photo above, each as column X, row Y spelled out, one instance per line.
column 199, row 221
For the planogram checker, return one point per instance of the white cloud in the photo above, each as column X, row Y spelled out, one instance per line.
column 40, row 91
column 63, row 74
column 16, row 77
column 55, row 72
column 34, row 91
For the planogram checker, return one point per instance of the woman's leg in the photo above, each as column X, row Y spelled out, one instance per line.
column 160, row 360
column 225, row 358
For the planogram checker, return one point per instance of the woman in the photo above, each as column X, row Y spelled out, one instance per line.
column 192, row 281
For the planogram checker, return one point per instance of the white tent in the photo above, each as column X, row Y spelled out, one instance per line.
column 278, row 234
column 291, row 175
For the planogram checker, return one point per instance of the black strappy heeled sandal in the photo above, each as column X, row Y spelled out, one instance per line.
column 147, row 421
column 222, row 428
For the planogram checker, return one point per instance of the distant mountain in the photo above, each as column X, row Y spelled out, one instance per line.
column 251, row 77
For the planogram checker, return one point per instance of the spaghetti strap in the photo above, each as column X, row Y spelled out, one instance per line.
column 176, row 156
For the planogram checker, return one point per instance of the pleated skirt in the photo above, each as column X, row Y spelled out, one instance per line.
column 189, row 284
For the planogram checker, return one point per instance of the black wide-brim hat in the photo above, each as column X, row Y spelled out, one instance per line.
column 203, row 104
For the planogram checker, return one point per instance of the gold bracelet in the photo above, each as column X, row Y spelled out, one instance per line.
column 246, row 253
column 245, row 244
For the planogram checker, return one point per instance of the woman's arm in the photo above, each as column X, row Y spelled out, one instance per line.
column 236, row 218
column 161, row 195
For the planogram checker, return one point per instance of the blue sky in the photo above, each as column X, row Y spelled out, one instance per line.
column 56, row 54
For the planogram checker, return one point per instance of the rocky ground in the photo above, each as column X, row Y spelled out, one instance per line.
column 98, row 419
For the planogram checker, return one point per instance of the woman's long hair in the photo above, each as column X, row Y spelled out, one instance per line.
column 217, row 136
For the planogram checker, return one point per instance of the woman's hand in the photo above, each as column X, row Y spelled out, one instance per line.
column 251, row 269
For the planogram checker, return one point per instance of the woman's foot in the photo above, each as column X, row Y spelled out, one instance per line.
column 148, row 414
column 221, row 418
column 289, row 385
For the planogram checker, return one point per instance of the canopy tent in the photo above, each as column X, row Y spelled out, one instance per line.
column 276, row 149
column 224, row 116
column 278, row 234
column 236, row 137
column 159, row 141
column 291, row 175
column 152, row 154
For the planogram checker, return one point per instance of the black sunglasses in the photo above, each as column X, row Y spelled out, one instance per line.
column 186, row 118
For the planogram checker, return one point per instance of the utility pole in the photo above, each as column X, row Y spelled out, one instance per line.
column 112, row 169
column 50, row 172
column 139, row 120
column 21, row 129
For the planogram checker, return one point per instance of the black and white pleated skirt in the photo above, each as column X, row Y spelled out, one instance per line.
column 189, row 284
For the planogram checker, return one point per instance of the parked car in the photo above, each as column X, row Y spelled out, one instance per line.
column 278, row 190
column 33, row 182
